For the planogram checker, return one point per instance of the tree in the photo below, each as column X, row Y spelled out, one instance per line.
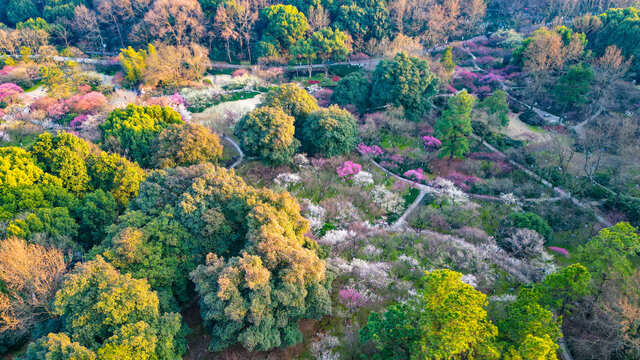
column 57, row 347
column 186, row 145
column 364, row 20
column 174, row 66
column 497, row 109
column 330, row 44
column 176, row 22
column 447, row 319
column 30, row 275
column 564, row 287
column 18, row 167
column 330, row 132
column 447, row 59
column 268, row 134
column 404, row 81
column 284, row 24
column 20, row 10
column 98, row 210
column 525, row 323
column 528, row 220
column 574, row 85
column 454, row 126
column 608, row 255
column 353, row 89
column 115, row 174
column 112, row 315
column 131, row 131
column 134, row 63
column 293, row 100
column 304, row 50
column 64, row 155
column 522, row 243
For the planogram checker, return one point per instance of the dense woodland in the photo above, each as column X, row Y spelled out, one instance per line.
column 319, row 179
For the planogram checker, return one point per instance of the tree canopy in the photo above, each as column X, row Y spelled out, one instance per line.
column 454, row 126
column 330, row 131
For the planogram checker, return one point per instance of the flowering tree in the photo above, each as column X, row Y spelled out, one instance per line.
column 351, row 298
column 348, row 169
column 9, row 92
column 415, row 174
column 373, row 150
column 431, row 142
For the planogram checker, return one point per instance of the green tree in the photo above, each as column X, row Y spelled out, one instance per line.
column 55, row 223
column 454, row 126
column 186, row 145
column 134, row 63
column 57, row 347
column 608, row 256
column 533, row 347
column 529, row 220
column 18, row 167
column 497, row 109
column 64, row 9
column 364, row 19
column 353, row 89
column 34, row 24
column 526, row 316
column 268, row 134
column 132, row 131
column 112, row 315
column 330, row 132
column 115, row 174
column 404, row 81
column 447, row 59
column 564, row 287
column 20, row 10
column 64, row 155
column 293, row 100
column 284, row 24
column 303, row 50
column 330, row 44
column 447, row 319
column 574, row 85
column 97, row 211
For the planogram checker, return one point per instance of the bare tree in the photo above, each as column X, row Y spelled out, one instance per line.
column 31, row 274
column 86, row 24
column 318, row 18
column 178, row 22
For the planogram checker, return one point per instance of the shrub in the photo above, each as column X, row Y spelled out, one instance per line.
column 531, row 221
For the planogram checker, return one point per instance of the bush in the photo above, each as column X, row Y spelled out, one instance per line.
column 629, row 205
column 354, row 89
column 330, row 132
column 531, row 118
column 528, row 220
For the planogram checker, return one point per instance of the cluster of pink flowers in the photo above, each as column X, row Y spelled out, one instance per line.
column 432, row 142
column 351, row 298
column 240, row 72
column 462, row 181
column 178, row 99
column 313, row 82
column 88, row 103
column 335, row 78
column 373, row 150
column 348, row 169
column 8, row 91
column 77, row 122
column 6, row 70
column 415, row 174
column 491, row 78
column 562, row 251
column 359, row 56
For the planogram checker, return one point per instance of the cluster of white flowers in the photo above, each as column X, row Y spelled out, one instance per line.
column 247, row 82
column 512, row 201
column 200, row 97
column 388, row 201
column 469, row 279
column 336, row 237
column 448, row 192
column 287, row 180
column 503, row 298
column 315, row 214
column 184, row 113
column 413, row 262
column 374, row 274
column 4, row 136
column 363, row 178
column 372, row 251
column 300, row 160
column 313, row 89
column 347, row 214
column 322, row 349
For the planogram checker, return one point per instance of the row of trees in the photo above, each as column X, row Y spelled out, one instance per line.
column 242, row 27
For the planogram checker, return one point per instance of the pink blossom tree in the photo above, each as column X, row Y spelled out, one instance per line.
column 348, row 169
column 9, row 92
